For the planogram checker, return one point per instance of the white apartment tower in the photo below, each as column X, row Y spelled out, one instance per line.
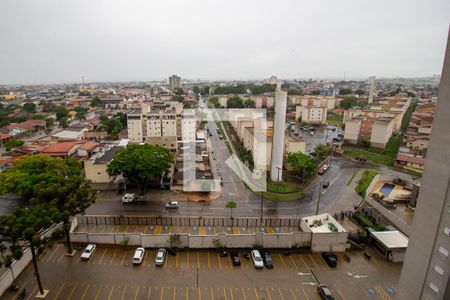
column 174, row 82
column 372, row 88
column 278, row 134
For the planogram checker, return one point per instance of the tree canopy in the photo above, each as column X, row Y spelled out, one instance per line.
column 345, row 91
column 235, row 102
column 29, row 107
column 261, row 89
column 140, row 163
column 322, row 151
column 230, row 89
column 96, row 102
column 348, row 102
column 302, row 164
column 214, row 101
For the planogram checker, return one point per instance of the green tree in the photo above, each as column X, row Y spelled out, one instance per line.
column 261, row 89
column 81, row 113
column 49, row 107
column 96, row 102
column 302, row 164
column 249, row 103
column 230, row 89
column 44, row 179
column 61, row 112
column 26, row 224
column 348, row 102
column 345, row 91
column 14, row 143
column 140, row 163
column 84, row 93
column 231, row 204
column 179, row 92
column 235, row 102
column 29, row 107
column 214, row 101
column 49, row 122
column 360, row 92
column 196, row 89
column 63, row 122
column 111, row 126
column 322, row 151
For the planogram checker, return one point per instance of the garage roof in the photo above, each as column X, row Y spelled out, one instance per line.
column 391, row 239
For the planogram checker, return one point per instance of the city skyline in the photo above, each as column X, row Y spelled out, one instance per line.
column 115, row 41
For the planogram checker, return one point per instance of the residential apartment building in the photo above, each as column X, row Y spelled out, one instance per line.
column 376, row 131
column 162, row 126
column 174, row 82
column 312, row 110
column 331, row 102
column 426, row 269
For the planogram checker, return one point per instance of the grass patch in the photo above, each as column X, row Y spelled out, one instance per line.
column 353, row 177
column 369, row 155
column 281, row 197
column 364, row 182
column 283, row 188
column 335, row 119
column 365, row 222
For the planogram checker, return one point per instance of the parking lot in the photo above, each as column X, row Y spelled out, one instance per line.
column 109, row 274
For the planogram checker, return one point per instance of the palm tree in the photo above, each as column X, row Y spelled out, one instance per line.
column 231, row 204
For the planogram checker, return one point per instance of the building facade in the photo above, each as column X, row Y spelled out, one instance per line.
column 174, row 82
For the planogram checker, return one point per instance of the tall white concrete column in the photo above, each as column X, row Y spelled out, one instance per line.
column 372, row 88
column 279, row 126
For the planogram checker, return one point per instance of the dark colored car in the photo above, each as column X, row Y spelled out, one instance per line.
column 325, row 184
column 235, row 259
column 324, row 292
column 330, row 258
column 172, row 251
column 268, row 262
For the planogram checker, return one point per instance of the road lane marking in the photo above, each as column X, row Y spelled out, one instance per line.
column 103, row 255
column 110, row 293
column 293, row 295
column 295, row 265
column 98, row 292
column 281, row 294
column 256, row 293
column 123, row 293
column 199, row 294
column 112, row 258
column 59, row 291
column 268, row 294
column 85, row 291
column 243, row 293
column 162, row 293
column 73, row 289
column 284, row 264
column 209, row 260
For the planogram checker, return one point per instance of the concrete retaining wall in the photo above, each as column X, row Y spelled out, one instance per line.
column 187, row 221
column 14, row 271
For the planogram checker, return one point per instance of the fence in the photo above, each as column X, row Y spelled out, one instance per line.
column 188, row 221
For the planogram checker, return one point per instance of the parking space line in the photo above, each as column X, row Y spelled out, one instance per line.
column 293, row 261
column 218, row 258
column 303, row 261
column 268, row 294
column 103, row 255
column 149, row 293
column 243, row 293
column 123, row 293
column 176, row 260
column 112, row 258
column 314, row 262
column 256, row 293
column 85, row 291
column 32, row 293
column 199, row 294
column 145, row 257
column 304, row 293
column 187, row 294
column 123, row 257
column 209, row 260
column 340, row 294
column 224, row 294
column 110, row 293
column 212, row 293
column 167, row 260
column 162, row 293
column 281, row 294
column 98, row 292
column 284, row 264
column 73, row 289
column 231, row 294
column 53, row 253
column 126, row 229
column 61, row 257
column 293, row 294
column 59, row 291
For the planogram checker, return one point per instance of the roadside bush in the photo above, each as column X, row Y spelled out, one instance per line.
column 364, row 182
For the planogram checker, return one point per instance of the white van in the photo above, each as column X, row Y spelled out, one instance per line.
column 257, row 259
column 128, row 198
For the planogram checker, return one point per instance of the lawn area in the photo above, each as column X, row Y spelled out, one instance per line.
column 334, row 119
column 282, row 197
column 284, row 187
column 371, row 156
column 364, row 182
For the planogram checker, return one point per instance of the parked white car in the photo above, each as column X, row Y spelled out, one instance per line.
column 160, row 256
column 138, row 255
column 88, row 251
column 257, row 259
column 172, row 204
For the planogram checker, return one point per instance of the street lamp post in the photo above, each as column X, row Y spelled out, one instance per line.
column 262, row 206
column 318, row 197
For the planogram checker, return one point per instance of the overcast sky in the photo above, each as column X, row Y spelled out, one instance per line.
column 55, row 41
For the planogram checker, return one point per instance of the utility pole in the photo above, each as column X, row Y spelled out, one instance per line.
column 318, row 197
column 262, row 205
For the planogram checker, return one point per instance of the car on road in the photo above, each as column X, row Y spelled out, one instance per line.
column 321, row 171
column 324, row 292
column 160, row 257
column 268, row 262
column 257, row 259
column 220, row 136
column 325, row 184
column 88, row 251
column 172, row 204
column 330, row 258
column 235, row 259
column 138, row 256
column 326, row 167
column 133, row 199
column 311, row 132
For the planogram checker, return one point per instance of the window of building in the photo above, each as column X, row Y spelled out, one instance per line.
column 439, row 270
column 443, row 251
column 434, row 287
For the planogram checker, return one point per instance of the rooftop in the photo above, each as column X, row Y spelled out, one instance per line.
column 323, row 223
column 391, row 239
